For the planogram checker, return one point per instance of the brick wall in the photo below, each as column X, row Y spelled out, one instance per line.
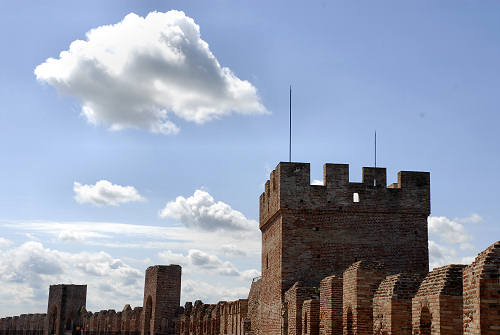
column 481, row 293
column 310, row 232
column 271, row 282
column 437, row 306
column 64, row 305
column 162, row 294
column 294, row 299
column 392, row 304
column 331, row 306
column 360, row 282
column 310, row 317
column 254, row 306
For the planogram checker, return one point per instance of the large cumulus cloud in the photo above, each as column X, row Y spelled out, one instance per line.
column 141, row 71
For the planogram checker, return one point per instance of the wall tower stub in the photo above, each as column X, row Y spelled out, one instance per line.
column 162, row 295
column 63, row 311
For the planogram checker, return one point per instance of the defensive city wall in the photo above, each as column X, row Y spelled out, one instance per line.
column 338, row 258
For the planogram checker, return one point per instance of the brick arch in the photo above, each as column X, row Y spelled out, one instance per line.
column 53, row 320
column 148, row 311
column 349, row 322
column 425, row 321
column 69, row 324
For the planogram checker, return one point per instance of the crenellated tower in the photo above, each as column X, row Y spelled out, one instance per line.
column 313, row 231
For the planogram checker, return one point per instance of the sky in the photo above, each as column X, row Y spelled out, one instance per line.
column 135, row 133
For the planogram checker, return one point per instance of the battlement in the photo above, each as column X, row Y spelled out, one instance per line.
column 289, row 187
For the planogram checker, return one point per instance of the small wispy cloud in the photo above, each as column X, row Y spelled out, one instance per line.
column 207, row 262
column 104, row 193
column 449, row 240
column 5, row 242
column 450, row 231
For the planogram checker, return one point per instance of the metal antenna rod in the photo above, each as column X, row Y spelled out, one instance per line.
column 375, row 148
column 290, row 129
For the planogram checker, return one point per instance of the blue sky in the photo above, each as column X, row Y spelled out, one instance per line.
column 424, row 74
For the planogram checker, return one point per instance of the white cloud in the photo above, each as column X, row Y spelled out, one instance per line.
column 69, row 235
column 474, row 218
column 207, row 262
column 202, row 212
column 317, row 182
column 120, row 235
column 26, row 271
column 170, row 257
column 440, row 255
column 105, row 193
column 449, row 231
column 449, row 240
column 194, row 289
column 232, row 250
column 140, row 71
column 248, row 275
column 4, row 242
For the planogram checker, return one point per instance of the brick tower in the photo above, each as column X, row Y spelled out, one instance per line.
column 63, row 311
column 310, row 232
column 162, row 298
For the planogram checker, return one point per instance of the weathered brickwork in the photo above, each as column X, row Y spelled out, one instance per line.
column 392, row 304
column 310, row 317
column 162, row 296
column 63, row 311
column 310, row 232
column 341, row 258
column 361, row 280
column 292, row 307
column 331, row 305
column 481, row 293
column 437, row 306
column 254, row 306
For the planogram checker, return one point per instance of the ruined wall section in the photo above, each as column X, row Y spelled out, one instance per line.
column 481, row 293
